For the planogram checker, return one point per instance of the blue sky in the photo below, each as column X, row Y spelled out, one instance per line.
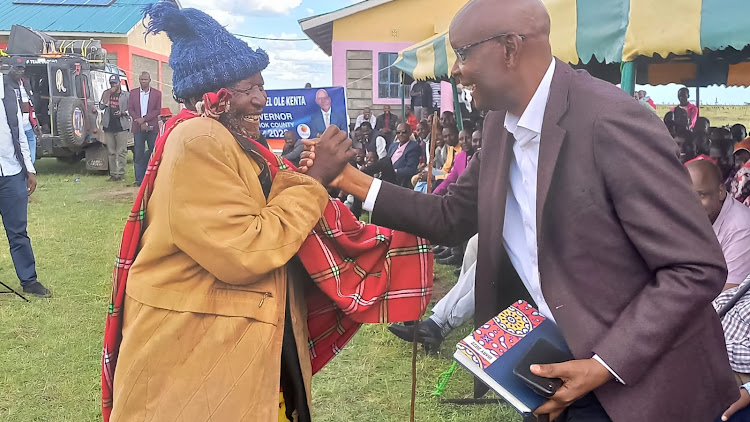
column 292, row 63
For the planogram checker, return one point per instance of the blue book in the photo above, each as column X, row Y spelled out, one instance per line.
column 493, row 350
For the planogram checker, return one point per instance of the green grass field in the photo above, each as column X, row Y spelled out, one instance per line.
column 50, row 349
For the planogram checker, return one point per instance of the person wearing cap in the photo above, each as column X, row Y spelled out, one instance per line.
column 17, row 183
column 16, row 79
column 116, row 127
column 213, row 316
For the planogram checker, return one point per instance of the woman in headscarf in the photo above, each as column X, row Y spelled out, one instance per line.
column 217, row 321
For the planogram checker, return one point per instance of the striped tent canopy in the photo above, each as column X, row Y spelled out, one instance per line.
column 699, row 41
column 430, row 59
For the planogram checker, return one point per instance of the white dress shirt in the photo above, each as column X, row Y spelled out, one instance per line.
column 361, row 119
column 144, row 101
column 381, row 147
column 9, row 165
column 519, row 227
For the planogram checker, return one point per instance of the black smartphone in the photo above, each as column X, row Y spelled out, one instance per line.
column 542, row 352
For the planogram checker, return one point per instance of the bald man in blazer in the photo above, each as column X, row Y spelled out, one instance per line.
column 583, row 208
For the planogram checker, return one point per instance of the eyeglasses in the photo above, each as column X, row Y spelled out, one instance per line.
column 461, row 52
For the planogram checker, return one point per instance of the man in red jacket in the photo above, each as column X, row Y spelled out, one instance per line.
column 144, row 106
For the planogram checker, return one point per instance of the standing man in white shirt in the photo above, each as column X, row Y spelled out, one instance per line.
column 578, row 215
column 144, row 107
column 17, row 182
column 23, row 91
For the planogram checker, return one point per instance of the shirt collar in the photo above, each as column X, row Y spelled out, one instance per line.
column 533, row 116
column 146, row 92
column 725, row 209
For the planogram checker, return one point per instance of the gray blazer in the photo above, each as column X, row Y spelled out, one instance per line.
column 628, row 260
column 124, row 118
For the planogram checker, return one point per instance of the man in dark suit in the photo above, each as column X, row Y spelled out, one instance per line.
column 386, row 124
column 404, row 156
column 144, row 106
column 327, row 116
column 582, row 207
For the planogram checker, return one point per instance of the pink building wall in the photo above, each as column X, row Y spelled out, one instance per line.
column 339, row 49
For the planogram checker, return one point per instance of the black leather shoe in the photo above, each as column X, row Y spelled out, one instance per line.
column 452, row 260
column 405, row 333
column 429, row 332
column 431, row 336
column 37, row 289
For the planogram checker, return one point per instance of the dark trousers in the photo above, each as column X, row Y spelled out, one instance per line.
column 14, row 201
column 586, row 409
column 140, row 155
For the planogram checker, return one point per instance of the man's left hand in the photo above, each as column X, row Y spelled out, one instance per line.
column 144, row 127
column 38, row 131
column 580, row 377
column 31, row 183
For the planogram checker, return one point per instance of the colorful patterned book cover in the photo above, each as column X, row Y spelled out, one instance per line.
column 492, row 351
column 498, row 335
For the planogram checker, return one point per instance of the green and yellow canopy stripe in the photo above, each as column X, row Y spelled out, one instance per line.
column 614, row 31
column 431, row 59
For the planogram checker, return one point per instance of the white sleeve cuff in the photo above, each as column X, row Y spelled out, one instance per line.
column 372, row 195
column 604, row 364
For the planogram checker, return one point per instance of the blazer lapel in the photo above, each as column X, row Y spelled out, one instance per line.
column 493, row 191
column 151, row 100
column 552, row 138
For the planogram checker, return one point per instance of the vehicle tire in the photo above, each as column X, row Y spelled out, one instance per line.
column 71, row 122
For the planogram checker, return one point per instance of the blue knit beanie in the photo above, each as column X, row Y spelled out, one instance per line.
column 205, row 56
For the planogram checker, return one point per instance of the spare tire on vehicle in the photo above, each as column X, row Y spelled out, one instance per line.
column 71, row 122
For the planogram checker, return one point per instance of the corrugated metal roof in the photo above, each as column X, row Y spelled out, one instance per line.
column 118, row 18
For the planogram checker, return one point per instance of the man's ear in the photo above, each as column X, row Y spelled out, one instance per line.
column 512, row 44
column 722, row 192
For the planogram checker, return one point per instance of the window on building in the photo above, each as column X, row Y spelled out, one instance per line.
column 112, row 58
column 389, row 78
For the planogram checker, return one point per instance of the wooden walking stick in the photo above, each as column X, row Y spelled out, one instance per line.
column 416, row 326
column 433, row 143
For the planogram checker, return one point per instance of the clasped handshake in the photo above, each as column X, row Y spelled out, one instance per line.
column 325, row 158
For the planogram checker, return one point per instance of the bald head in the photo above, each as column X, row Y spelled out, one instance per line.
column 323, row 100
column 704, row 170
column 708, row 185
column 479, row 19
column 503, row 51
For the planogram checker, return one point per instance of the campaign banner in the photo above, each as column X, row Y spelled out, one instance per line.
column 306, row 112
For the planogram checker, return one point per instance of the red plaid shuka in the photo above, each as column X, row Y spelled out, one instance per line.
column 352, row 264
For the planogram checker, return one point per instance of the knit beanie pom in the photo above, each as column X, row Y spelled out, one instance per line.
column 205, row 57
column 166, row 17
